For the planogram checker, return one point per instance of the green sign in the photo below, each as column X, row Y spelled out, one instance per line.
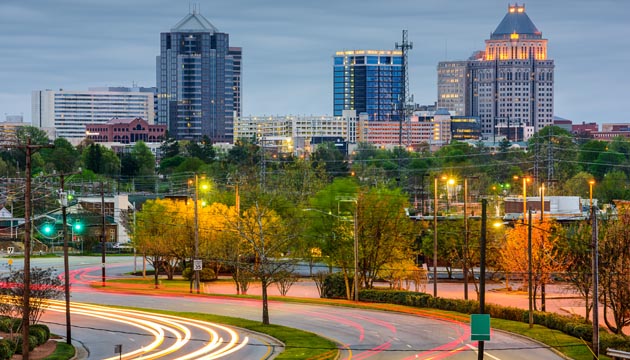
column 480, row 327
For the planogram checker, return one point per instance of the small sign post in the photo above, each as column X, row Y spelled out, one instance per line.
column 118, row 350
column 197, row 265
column 480, row 327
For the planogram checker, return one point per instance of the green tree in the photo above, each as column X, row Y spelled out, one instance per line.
column 63, row 157
column 614, row 186
column 100, row 160
column 553, row 140
column 614, row 265
column 202, row 150
column 331, row 158
column 144, row 157
column 386, row 234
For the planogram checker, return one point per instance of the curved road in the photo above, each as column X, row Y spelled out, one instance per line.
column 364, row 334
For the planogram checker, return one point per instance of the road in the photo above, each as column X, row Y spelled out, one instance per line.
column 363, row 334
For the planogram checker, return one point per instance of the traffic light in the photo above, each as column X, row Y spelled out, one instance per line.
column 48, row 229
column 77, row 227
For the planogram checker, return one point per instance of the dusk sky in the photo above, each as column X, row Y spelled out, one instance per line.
column 288, row 46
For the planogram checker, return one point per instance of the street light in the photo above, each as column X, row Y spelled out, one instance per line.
column 435, row 230
column 590, row 193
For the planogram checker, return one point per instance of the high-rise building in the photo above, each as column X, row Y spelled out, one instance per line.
column 509, row 85
column 65, row 113
column 198, row 80
column 369, row 81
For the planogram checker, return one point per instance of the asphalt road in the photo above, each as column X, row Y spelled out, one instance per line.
column 363, row 334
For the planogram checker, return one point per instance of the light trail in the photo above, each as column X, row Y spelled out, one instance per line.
column 179, row 329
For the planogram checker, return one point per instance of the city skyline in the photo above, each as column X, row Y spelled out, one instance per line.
column 288, row 47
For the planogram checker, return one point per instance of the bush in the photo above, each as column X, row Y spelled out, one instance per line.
column 10, row 325
column 6, row 349
column 334, row 287
column 32, row 343
column 573, row 326
column 40, row 333
column 44, row 328
column 206, row 274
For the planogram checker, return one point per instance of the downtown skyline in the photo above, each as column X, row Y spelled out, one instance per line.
column 288, row 47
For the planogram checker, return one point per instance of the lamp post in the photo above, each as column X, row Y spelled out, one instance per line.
column 196, row 244
column 590, row 194
column 435, row 234
column 595, row 266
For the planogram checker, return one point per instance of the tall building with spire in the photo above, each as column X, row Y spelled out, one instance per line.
column 198, row 81
column 509, row 85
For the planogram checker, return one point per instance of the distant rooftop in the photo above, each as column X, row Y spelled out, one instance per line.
column 194, row 22
column 516, row 21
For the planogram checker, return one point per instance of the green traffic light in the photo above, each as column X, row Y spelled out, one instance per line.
column 47, row 229
column 78, row 227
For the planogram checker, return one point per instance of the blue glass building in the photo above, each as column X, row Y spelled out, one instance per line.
column 198, row 80
column 369, row 81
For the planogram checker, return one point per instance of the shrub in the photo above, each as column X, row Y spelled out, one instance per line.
column 6, row 349
column 9, row 325
column 44, row 328
column 334, row 287
column 206, row 274
column 573, row 326
column 32, row 343
column 39, row 333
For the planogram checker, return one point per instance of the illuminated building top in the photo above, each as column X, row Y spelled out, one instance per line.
column 516, row 37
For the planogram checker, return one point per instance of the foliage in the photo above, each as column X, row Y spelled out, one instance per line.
column 570, row 325
column 7, row 349
column 614, row 270
column 547, row 257
column 202, row 150
column 45, row 285
column 579, row 270
column 206, row 274
column 334, row 286
column 331, row 158
column 100, row 160
column 63, row 351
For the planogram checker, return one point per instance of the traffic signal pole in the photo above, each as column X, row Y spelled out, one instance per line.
column 66, row 265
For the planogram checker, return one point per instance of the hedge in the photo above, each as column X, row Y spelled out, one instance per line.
column 574, row 326
column 6, row 349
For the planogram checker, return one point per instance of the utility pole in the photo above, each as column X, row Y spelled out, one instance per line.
column 482, row 271
column 594, row 263
column 26, row 282
column 102, row 235
column 196, row 233
column 530, row 290
column 66, row 265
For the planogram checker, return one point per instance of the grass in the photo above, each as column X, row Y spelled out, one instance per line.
column 62, row 352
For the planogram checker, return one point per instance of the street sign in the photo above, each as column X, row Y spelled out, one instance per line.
column 10, row 250
column 480, row 327
column 197, row 265
column 10, row 262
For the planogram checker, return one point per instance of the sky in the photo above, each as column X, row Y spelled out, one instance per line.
column 288, row 46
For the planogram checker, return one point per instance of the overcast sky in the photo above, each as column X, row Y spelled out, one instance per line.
column 288, row 46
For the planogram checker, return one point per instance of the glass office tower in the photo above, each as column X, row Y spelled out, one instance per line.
column 369, row 81
column 196, row 75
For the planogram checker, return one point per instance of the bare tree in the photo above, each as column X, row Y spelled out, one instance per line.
column 45, row 285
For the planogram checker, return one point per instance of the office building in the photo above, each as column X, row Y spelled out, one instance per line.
column 126, row 131
column 198, row 80
column 369, row 81
column 509, row 85
column 65, row 113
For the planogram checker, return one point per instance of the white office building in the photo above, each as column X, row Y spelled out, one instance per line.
column 64, row 113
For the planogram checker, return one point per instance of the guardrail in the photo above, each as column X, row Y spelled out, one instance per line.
column 617, row 354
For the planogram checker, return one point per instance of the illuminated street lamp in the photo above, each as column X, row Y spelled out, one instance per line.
column 590, row 193
column 435, row 230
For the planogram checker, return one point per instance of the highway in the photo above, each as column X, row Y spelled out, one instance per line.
column 361, row 334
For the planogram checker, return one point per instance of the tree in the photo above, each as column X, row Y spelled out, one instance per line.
column 63, row 157
column 614, row 269
column 45, row 285
column 386, row 234
column 547, row 257
column 266, row 237
column 169, row 148
column 613, row 187
column 553, row 140
column 100, row 160
column 579, row 270
column 331, row 158
column 202, row 150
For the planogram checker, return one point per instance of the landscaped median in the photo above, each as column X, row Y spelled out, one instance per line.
column 567, row 335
